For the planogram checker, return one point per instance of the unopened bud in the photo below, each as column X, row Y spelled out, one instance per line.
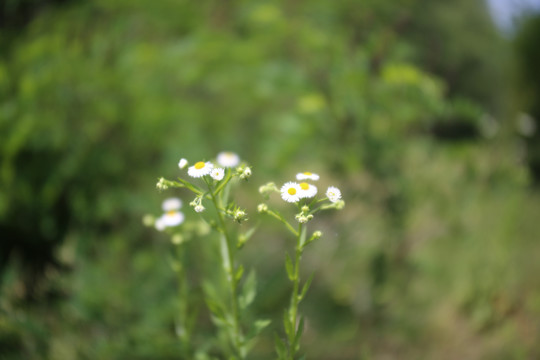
column 239, row 215
column 148, row 220
column 262, row 208
column 177, row 239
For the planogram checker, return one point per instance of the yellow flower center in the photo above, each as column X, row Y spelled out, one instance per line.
column 304, row 186
column 291, row 191
column 307, row 173
column 199, row 165
column 171, row 212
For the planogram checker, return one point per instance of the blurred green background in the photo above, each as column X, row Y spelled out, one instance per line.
column 421, row 111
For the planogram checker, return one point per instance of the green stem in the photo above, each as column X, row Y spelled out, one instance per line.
column 293, row 310
column 184, row 334
column 228, row 265
column 280, row 218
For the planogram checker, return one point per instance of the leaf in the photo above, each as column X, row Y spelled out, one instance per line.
column 261, row 324
column 296, row 342
column 287, row 324
column 289, row 267
column 239, row 273
column 280, row 347
column 305, row 288
column 249, row 290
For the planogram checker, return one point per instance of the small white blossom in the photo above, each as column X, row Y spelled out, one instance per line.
column 290, row 192
column 199, row 208
column 200, row 169
column 171, row 204
column 307, row 190
column 307, row 176
column 172, row 218
column 228, row 159
column 217, row 174
column 333, row 194
column 182, row 163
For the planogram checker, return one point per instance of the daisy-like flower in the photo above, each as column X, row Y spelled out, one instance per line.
column 307, row 176
column 172, row 216
column 333, row 194
column 307, row 190
column 290, row 192
column 182, row 163
column 228, row 159
column 217, row 174
column 200, row 169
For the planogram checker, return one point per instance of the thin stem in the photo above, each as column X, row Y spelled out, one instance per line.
column 280, row 218
column 228, row 265
column 184, row 330
column 293, row 310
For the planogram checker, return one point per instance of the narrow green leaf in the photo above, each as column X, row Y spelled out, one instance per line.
column 305, row 288
column 280, row 347
column 296, row 343
column 289, row 267
column 287, row 325
column 249, row 290
column 239, row 273
column 261, row 324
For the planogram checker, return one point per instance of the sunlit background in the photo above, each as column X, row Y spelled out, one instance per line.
column 425, row 113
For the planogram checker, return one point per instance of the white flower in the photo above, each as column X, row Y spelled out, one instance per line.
column 228, row 159
column 307, row 176
column 182, row 163
column 171, row 204
column 172, row 218
column 290, row 192
column 333, row 194
column 200, row 169
column 307, row 190
column 217, row 174
column 199, row 208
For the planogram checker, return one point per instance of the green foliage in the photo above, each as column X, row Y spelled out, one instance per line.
column 434, row 256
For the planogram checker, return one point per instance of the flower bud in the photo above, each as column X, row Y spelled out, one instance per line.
column 199, row 208
column 262, row 208
column 161, row 185
column 182, row 163
column 148, row 220
column 246, row 173
column 177, row 239
column 239, row 215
